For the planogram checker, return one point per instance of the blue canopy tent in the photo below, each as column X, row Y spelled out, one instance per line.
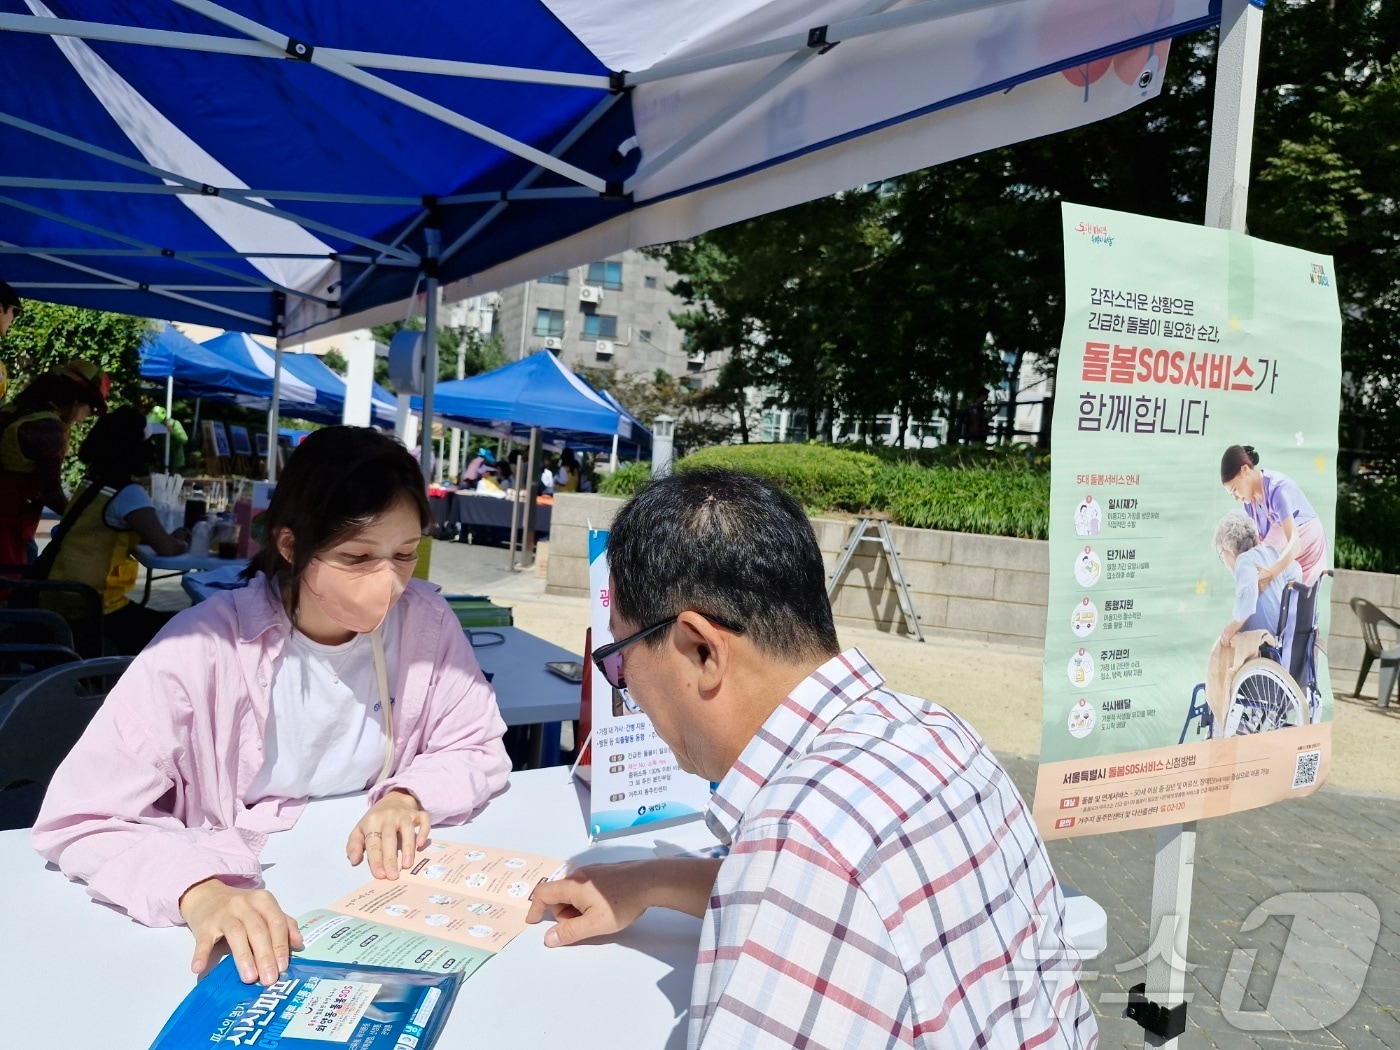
column 282, row 167
column 537, row 392
column 641, row 434
column 196, row 372
column 306, row 388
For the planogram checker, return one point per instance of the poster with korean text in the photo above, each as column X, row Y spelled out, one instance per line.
column 635, row 781
column 1192, row 509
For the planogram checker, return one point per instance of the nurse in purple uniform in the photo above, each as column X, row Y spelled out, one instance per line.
column 1285, row 519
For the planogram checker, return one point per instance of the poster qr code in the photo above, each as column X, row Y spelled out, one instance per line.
column 1305, row 768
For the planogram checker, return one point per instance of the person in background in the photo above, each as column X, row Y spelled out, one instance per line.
column 1281, row 513
column 331, row 672
column 547, row 478
column 885, row 884
column 488, row 484
column 566, row 478
column 34, row 429
column 178, row 437
column 507, row 474
column 10, row 308
column 484, row 458
column 96, row 544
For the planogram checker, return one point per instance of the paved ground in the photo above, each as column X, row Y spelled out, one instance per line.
column 1337, row 853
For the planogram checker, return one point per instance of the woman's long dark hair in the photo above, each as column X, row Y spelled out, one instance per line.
column 49, row 390
column 115, row 449
column 337, row 482
column 1236, row 458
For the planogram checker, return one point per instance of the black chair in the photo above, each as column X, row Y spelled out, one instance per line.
column 23, row 660
column 28, row 595
column 27, row 626
column 41, row 719
column 1371, row 619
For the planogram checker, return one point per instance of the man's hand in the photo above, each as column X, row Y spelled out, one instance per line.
column 390, row 835
column 259, row 934
column 601, row 899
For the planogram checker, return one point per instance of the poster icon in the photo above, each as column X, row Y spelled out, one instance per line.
column 1084, row 618
column 1088, row 517
column 1087, row 568
column 1081, row 669
column 1082, row 717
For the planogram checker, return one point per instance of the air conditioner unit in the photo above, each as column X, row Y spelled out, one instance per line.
column 604, row 348
column 697, row 358
column 553, row 344
column 588, row 294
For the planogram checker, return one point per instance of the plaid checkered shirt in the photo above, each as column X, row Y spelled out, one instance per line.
column 885, row 886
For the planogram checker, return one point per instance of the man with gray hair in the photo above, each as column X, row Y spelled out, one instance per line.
column 884, row 884
column 1237, row 543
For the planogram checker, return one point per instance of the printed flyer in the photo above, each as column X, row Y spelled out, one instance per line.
column 635, row 779
column 1192, row 507
column 455, row 908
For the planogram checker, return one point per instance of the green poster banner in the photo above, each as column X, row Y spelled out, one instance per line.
column 1192, row 509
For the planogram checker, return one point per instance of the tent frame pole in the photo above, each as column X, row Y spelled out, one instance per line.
column 169, row 415
column 274, row 413
column 1227, row 194
column 433, row 237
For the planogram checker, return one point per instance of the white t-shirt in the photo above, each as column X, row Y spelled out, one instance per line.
column 131, row 498
column 325, row 730
column 547, row 480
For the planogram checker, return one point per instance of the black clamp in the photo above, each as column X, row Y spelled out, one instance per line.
column 816, row 38
column 430, row 268
column 208, row 191
column 300, row 51
column 168, row 253
column 143, row 287
column 613, row 191
column 1168, row 1022
column 617, row 82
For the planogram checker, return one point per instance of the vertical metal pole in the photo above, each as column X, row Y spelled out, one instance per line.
column 532, row 482
column 169, row 416
column 613, row 462
column 433, row 237
column 1227, row 195
column 274, row 412
column 524, row 314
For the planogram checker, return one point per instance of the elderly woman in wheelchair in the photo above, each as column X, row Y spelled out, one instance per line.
column 1262, row 670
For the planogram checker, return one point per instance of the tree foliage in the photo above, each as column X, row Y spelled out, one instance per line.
column 661, row 394
column 910, row 295
column 47, row 336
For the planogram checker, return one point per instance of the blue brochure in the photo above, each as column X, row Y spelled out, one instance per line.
column 314, row 1006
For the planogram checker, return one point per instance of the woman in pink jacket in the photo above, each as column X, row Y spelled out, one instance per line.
column 332, row 671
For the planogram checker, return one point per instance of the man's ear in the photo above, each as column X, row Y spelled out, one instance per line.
column 706, row 646
column 285, row 546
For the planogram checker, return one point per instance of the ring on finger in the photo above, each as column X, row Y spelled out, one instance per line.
column 373, row 835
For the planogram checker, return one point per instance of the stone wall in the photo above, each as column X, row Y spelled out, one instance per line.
column 973, row 588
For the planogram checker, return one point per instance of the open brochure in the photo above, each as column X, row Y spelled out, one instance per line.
column 455, row 908
column 312, row 1004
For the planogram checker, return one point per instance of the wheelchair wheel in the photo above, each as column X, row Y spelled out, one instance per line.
column 1263, row 696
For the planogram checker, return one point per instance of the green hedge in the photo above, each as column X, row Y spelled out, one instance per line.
column 997, row 492
column 1008, row 499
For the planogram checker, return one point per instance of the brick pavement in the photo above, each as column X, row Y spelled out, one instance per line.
column 1334, row 841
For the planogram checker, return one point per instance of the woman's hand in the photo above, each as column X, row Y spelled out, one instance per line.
column 1266, row 577
column 390, row 835
column 259, row 934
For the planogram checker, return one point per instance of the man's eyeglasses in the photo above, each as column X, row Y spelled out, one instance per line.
column 608, row 658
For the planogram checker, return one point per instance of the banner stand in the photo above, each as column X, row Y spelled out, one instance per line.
column 1159, row 1004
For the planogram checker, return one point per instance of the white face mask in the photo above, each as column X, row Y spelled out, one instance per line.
column 357, row 597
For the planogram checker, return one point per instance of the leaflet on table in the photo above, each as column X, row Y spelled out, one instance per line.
column 475, row 896
column 1180, row 342
column 353, row 1005
column 635, row 780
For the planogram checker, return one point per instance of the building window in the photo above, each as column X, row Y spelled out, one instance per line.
column 607, row 274
column 555, row 278
column 649, row 282
column 690, row 382
column 599, row 326
column 549, row 322
column 645, row 334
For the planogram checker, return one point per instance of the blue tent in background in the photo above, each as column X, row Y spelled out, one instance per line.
column 537, row 391
column 197, row 372
column 309, row 389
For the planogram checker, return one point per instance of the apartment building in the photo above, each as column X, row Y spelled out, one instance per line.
column 610, row 313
